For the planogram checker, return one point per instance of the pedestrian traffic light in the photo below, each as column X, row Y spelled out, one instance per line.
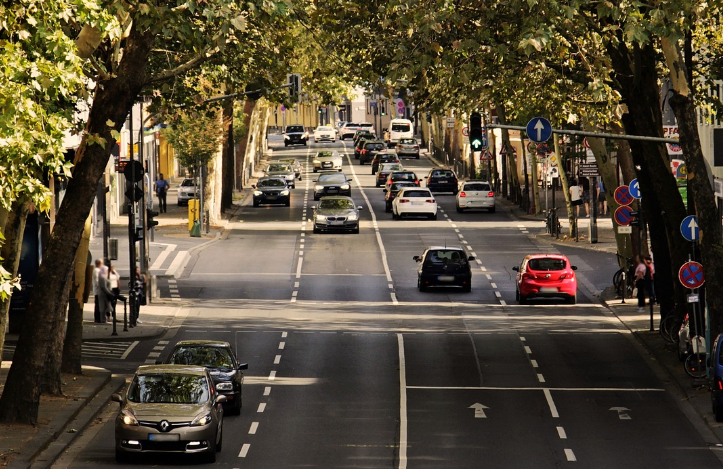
column 384, row 110
column 294, row 85
column 150, row 222
column 634, row 218
column 476, row 136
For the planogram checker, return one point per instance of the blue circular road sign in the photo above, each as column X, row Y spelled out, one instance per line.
column 691, row 275
column 623, row 215
column 689, row 228
column 539, row 129
column 634, row 189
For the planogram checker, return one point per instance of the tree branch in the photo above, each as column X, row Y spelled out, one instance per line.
column 204, row 55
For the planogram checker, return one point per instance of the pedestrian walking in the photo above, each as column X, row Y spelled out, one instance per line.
column 161, row 191
column 139, row 290
column 96, row 290
column 575, row 196
column 601, row 198
column 114, row 280
column 650, row 278
column 585, row 190
column 644, row 280
column 105, row 295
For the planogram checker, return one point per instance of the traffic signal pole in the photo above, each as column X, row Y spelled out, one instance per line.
column 131, row 234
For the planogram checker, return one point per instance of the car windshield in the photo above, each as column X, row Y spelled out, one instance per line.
column 295, row 128
column 403, row 176
column 400, row 185
column 334, row 177
column 271, row 183
column 409, row 141
column 338, row 204
column 169, row 388
column 187, row 183
column 400, row 127
column 445, row 256
column 391, row 167
column 279, row 168
column 210, row 357
column 476, row 187
column 290, row 161
column 546, row 264
column 324, row 129
column 324, row 154
column 442, row 174
column 366, row 125
column 374, row 146
column 417, row 193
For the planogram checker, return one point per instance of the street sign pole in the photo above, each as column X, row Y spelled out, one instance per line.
column 593, row 218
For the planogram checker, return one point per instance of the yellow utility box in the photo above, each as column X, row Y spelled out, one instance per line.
column 192, row 212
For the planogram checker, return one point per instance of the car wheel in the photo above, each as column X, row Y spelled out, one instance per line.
column 421, row 287
column 219, row 445
column 210, row 456
column 316, row 198
column 304, row 143
column 288, row 203
column 377, row 184
column 433, row 216
column 718, row 410
column 299, row 177
column 417, row 157
column 517, row 295
column 121, row 456
column 315, row 170
column 572, row 300
column 522, row 299
column 459, row 209
column 395, row 215
column 316, row 230
column 373, row 172
column 467, row 288
column 455, row 191
column 256, row 203
column 492, row 210
column 388, row 208
column 355, row 230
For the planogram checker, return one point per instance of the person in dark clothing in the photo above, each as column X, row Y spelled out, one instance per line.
column 161, row 191
column 585, row 184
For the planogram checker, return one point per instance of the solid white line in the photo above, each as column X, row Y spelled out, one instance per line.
column 177, row 261
column 267, row 390
column 262, row 407
column 402, row 404
column 551, row 404
column 254, row 427
column 277, row 359
column 128, row 350
column 162, row 256
column 570, row 455
column 561, row 433
column 244, row 450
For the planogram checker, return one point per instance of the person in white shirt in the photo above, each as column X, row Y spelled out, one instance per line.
column 114, row 280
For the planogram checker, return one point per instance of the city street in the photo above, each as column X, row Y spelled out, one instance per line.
column 350, row 366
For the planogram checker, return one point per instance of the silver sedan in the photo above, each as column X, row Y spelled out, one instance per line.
column 336, row 214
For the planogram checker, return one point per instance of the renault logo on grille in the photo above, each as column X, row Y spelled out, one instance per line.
column 165, row 426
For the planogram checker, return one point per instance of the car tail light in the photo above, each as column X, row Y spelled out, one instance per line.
column 403, row 201
column 568, row 275
column 416, row 182
column 490, row 194
column 363, row 151
column 719, row 382
column 416, row 147
column 462, row 194
column 430, row 201
column 528, row 276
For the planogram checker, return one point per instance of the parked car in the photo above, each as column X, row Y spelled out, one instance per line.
column 546, row 276
column 414, row 201
column 382, row 157
column 444, row 266
column 391, row 193
column 271, row 190
column 284, row 171
column 384, row 171
column 220, row 359
column 405, row 175
column 327, row 161
column 336, row 213
column 172, row 409
column 442, row 180
column 295, row 135
column 324, row 134
column 186, row 191
column 475, row 194
column 369, row 149
column 408, row 147
column 715, row 373
column 295, row 164
column 332, row 184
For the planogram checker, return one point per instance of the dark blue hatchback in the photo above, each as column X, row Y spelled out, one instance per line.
column 715, row 372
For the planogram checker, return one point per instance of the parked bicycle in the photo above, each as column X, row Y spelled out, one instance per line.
column 670, row 325
column 623, row 279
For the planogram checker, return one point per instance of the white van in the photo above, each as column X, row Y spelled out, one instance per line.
column 400, row 128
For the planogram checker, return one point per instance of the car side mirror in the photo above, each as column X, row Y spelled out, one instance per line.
column 178, row 185
column 243, row 366
column 348, row 180
column 471, row 258
column 516, row 269
column 220, row 399
column 313, row 207
column 253, row 186
column 417, row 258
column 574, row 267
column 115, row 397
column 359, row 207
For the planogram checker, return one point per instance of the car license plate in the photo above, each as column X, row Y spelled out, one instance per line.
column 332, row 191
column 418, row 202
column 164, row 437
column 327, row 165
column 548, row 290
column 336, row 222
column 446, row 278
column 271, row 197
column 442, row 181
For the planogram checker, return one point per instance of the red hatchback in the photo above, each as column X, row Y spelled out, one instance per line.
column 546, row 276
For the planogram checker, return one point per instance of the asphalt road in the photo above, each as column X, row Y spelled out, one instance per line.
column 351, row 367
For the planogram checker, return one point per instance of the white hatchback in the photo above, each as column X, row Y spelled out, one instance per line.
column 324, row 133
column 475, row 194
column 414, row 201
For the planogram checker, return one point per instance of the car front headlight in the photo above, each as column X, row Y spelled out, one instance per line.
column 290, row 176
column 285, row 192
column 201, row 420
column 317, row 162
column 286, row 137
column 258, row 193
column 320, row 218
column 318, row 188
column 128, row 418
column 345, row 187
column 227, row 386
column 353, row 217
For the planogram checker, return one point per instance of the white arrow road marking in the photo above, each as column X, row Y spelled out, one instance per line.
column 622, row 412
column 479, row 410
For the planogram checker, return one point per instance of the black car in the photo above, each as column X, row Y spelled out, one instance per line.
column 360, row 144
column 220, row 360
column 336, row 214
column 370, row 148
column 332, row 184
column 271, row 190
column 383, row 157
column 442, row 180
column 444, row 266
column 392, row 192
column 360, row 134
column 295, row 135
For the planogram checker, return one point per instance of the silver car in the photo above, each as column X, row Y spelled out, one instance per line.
column 186, row 191
column 284, row 171
column 327, row 161
column 169, row 409
column 294, row 162
column 475, row 194
column 336, row 213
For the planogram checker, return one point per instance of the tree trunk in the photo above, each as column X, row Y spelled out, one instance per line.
column 711, row 240
column 72, row 347
column 513, row 175
column 241, row 161
column 112, row 102
column 635, row 72
column 565, row 187
column 10, row 253
column 228, row 160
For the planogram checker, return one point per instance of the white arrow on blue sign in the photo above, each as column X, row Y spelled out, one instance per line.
column 635, row 189
column 689, row 228
column 539, row 129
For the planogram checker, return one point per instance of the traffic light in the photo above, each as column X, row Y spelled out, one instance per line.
column 294, row 84
column 384, row 109
column 634, row 218
column 475, row 131
column 133, row 172
column 150, row 222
